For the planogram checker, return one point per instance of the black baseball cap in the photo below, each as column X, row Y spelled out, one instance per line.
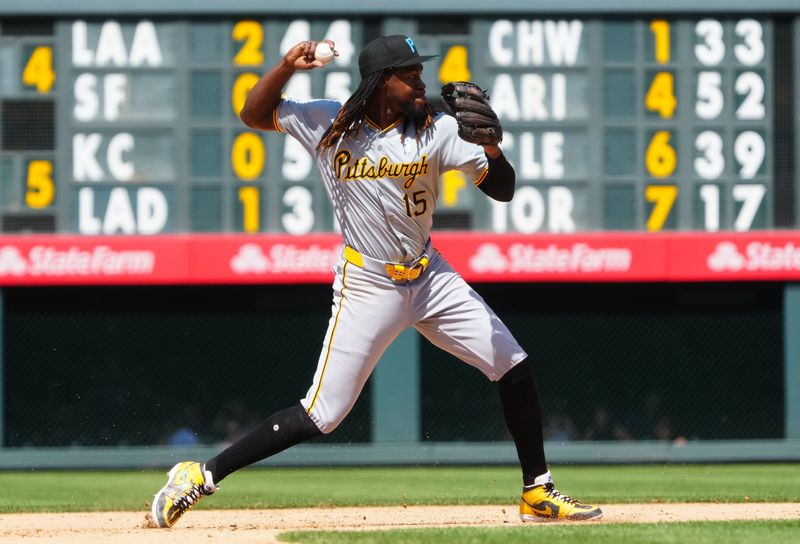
column 389, row 52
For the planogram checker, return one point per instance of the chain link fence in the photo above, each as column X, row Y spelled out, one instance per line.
column 143, row 366
column 169, row 365
column 626, row 362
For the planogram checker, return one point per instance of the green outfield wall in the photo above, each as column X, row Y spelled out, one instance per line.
column 627, row 373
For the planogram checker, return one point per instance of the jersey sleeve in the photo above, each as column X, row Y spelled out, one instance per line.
column 306, row 121
column 456, row 154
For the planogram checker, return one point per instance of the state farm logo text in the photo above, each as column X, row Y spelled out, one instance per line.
column 284, row 258
column 757, row 256
column 97, row 261
column 527, row 258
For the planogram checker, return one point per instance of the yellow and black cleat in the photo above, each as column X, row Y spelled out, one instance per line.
column 545, row 503
column 187, row 483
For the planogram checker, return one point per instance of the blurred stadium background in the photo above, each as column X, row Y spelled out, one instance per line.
column 668, row 136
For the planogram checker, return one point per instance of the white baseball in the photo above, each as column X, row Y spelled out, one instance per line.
column 323, row 53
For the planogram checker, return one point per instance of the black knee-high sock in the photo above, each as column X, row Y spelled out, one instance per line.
column 278, row 432
column 523, row 415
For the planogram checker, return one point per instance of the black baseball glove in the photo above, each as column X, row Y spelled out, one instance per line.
column 469, row 104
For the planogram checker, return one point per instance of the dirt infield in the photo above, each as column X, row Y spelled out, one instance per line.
column 262, row 526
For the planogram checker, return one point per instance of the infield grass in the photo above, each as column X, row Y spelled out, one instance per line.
column 731, row 532
column 80, row 491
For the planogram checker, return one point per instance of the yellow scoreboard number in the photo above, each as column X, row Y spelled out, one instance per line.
column 39, row 73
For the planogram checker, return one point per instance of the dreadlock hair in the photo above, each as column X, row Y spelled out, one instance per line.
column 351, row 116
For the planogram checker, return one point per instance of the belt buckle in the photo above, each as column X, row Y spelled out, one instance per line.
column 399, row 272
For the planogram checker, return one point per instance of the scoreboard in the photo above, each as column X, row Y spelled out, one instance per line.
column 620, row 122
column 645, row 124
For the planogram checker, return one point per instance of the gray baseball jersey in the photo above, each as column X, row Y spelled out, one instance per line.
column 383, row 185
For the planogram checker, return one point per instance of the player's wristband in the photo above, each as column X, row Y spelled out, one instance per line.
column 500, row 180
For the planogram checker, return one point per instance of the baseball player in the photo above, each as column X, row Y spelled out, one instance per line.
column 381, row 156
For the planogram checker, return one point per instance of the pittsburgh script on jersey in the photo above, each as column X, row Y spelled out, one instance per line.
column 347, row 169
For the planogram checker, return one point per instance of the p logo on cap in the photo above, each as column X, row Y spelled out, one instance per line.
column 389, row 52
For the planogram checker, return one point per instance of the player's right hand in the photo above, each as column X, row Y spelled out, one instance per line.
column 301, row 56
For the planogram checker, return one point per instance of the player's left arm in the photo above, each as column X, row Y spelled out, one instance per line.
column 478, row 124
column 500, row 179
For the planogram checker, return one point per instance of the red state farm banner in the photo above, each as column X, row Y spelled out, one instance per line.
column 93, row 260
column 625, row 256
column 265, row 259
column 586, row 257
column 479, row 257
column 734, row 257
column 168, row 259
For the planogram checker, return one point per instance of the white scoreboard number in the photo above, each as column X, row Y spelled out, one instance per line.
column 749, row 148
